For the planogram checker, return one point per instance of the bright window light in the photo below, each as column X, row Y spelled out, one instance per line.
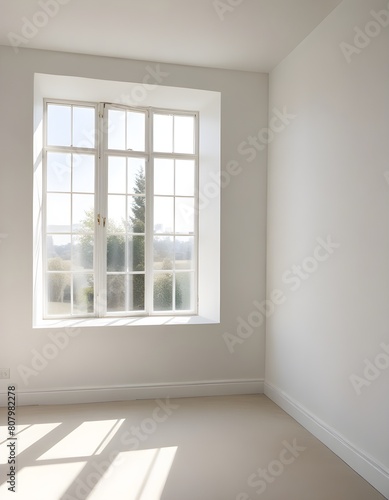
column 82, row 442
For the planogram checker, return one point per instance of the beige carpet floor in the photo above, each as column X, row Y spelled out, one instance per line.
column 214, row 448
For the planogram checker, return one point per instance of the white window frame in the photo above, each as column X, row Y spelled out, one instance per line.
column 102, row 154
column 208, row 103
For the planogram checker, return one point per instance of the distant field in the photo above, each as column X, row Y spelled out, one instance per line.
column 180, row 264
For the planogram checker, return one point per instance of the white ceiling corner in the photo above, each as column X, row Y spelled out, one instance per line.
column 248, row 35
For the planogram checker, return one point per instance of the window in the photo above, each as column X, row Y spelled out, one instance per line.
column 87, row 144
column 120, row 224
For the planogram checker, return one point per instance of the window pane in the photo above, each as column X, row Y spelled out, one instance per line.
column 184, row 291
column 185, row 177
column 60, row 262
column 87, row 225
column 163, row 291
column 84, row 173
column 58, row 293
column 115, row 252
column 116, row 213
column 82, row 252
column 116, row 292
column 58, row 171
column 163, row 252
column 58, row 250
column 136, row 131
column 116, row 174
column 83, row 293
column 136, row 292
column 83, row 205
column 184, row 134
column 58, row 125
column 163, row 176
column 58, row 284
column 116, row 129
column 163, row 214
column 84, row 127
column 58, row 213
column 136, row 214
column 184, row 249
column 136, row 253
column 163, row 133
column 185, row 215
column 136, row 175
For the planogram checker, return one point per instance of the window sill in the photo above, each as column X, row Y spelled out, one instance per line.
column 134, row 321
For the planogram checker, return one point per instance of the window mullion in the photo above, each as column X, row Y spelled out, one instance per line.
column 149, row 215
column 101, row 209
column 174, row 232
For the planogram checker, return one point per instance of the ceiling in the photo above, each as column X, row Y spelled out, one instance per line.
column 250, row 35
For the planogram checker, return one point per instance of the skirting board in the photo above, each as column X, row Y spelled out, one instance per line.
column 78, row 395
column 375, row 473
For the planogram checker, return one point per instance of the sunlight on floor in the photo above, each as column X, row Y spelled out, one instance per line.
column 133, row 475
column 81, row 442
column 27, row 435
column 46, row 482
column 81, row 468
column 136, row 475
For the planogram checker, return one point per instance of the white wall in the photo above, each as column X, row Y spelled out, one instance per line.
column 117, row 357
column 327, row 177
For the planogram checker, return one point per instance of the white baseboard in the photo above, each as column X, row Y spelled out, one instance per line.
column 366, row 466
column 143, row 391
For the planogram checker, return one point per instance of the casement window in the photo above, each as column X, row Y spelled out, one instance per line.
column 120, row 223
